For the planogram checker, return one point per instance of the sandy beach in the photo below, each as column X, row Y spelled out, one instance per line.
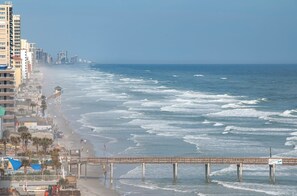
column 92, row 185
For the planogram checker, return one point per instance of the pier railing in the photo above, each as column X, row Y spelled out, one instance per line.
column 175, row 161
column 184, row 160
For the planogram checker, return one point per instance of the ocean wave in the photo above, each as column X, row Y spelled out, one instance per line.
column 289, row 113
column 132, row 80
column 231, row 106
column 218, row 125
column 198, row 75
column 245, row 112
column 206, row 122
column 258, row 129
column 253, row 187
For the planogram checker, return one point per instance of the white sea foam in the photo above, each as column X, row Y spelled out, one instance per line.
column 218, row 124
column 224, row 78
column 191, row 139
column 289, row 113
column 256, row 130
column 166, row 127
column 257, row 188
column 198, row 75
column 245, row 112
column 132, row 80
column 232, row 105
column 206, row 122
column 250, row 102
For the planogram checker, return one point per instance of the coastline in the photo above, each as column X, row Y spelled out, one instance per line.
column 92, row 185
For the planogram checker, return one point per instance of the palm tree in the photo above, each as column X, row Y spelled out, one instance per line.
column 43, row 106
column 28, row 101
column 22, row 110
column 45, row 143
column 63, row 182
column 32, row 106
column 5, row 140
column 55, row 159
column 25, row 164
column 39, row 87
column 26, row 137
column 15, row 140
column 23, row 129
column 36, row 142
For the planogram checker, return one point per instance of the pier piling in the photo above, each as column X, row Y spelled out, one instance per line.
column 272, row 173
column 174, row 171
column 207, row 172
column 111, row 173
column 143, row 171
column 239, row 172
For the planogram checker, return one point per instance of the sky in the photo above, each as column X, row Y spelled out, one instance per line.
column 164, row 31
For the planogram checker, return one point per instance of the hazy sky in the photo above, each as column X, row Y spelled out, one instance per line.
column 164, row 31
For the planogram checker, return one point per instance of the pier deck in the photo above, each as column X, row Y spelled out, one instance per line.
column 175, row 161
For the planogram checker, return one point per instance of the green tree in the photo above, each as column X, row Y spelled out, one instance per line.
column 43, row 107
column 15, row 140
column 28, row 101
column 23, row 129
column 26, row 137
column 36, row 142
column 25, row 164
column 21, row 110
column 39, row 87
column 55, row 159
column 63, row 182
column 45, row 143
column 5, row 140
column 32, row 106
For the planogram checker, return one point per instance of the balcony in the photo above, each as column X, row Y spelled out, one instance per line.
column 11, row 71
column 8, row 117
column 9, row 109
column 6, row 78
column 9, row 124
column 9, row 86
column 7, row 101
column 6, row 94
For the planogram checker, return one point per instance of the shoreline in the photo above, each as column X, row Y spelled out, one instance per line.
column 88, row 186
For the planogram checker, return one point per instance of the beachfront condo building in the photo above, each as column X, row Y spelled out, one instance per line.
column 16, row 50
column 7, row 83
column 28, row 56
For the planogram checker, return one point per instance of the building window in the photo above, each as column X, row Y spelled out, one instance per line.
column 2, row 56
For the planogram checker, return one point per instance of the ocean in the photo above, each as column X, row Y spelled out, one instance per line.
column 185, row 110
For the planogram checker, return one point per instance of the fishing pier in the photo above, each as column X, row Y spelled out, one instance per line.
column 109, row 162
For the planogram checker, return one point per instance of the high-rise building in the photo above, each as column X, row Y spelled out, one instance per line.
column 6, row 35
column 7, row 86
column 62, row 57
column 16, row 50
